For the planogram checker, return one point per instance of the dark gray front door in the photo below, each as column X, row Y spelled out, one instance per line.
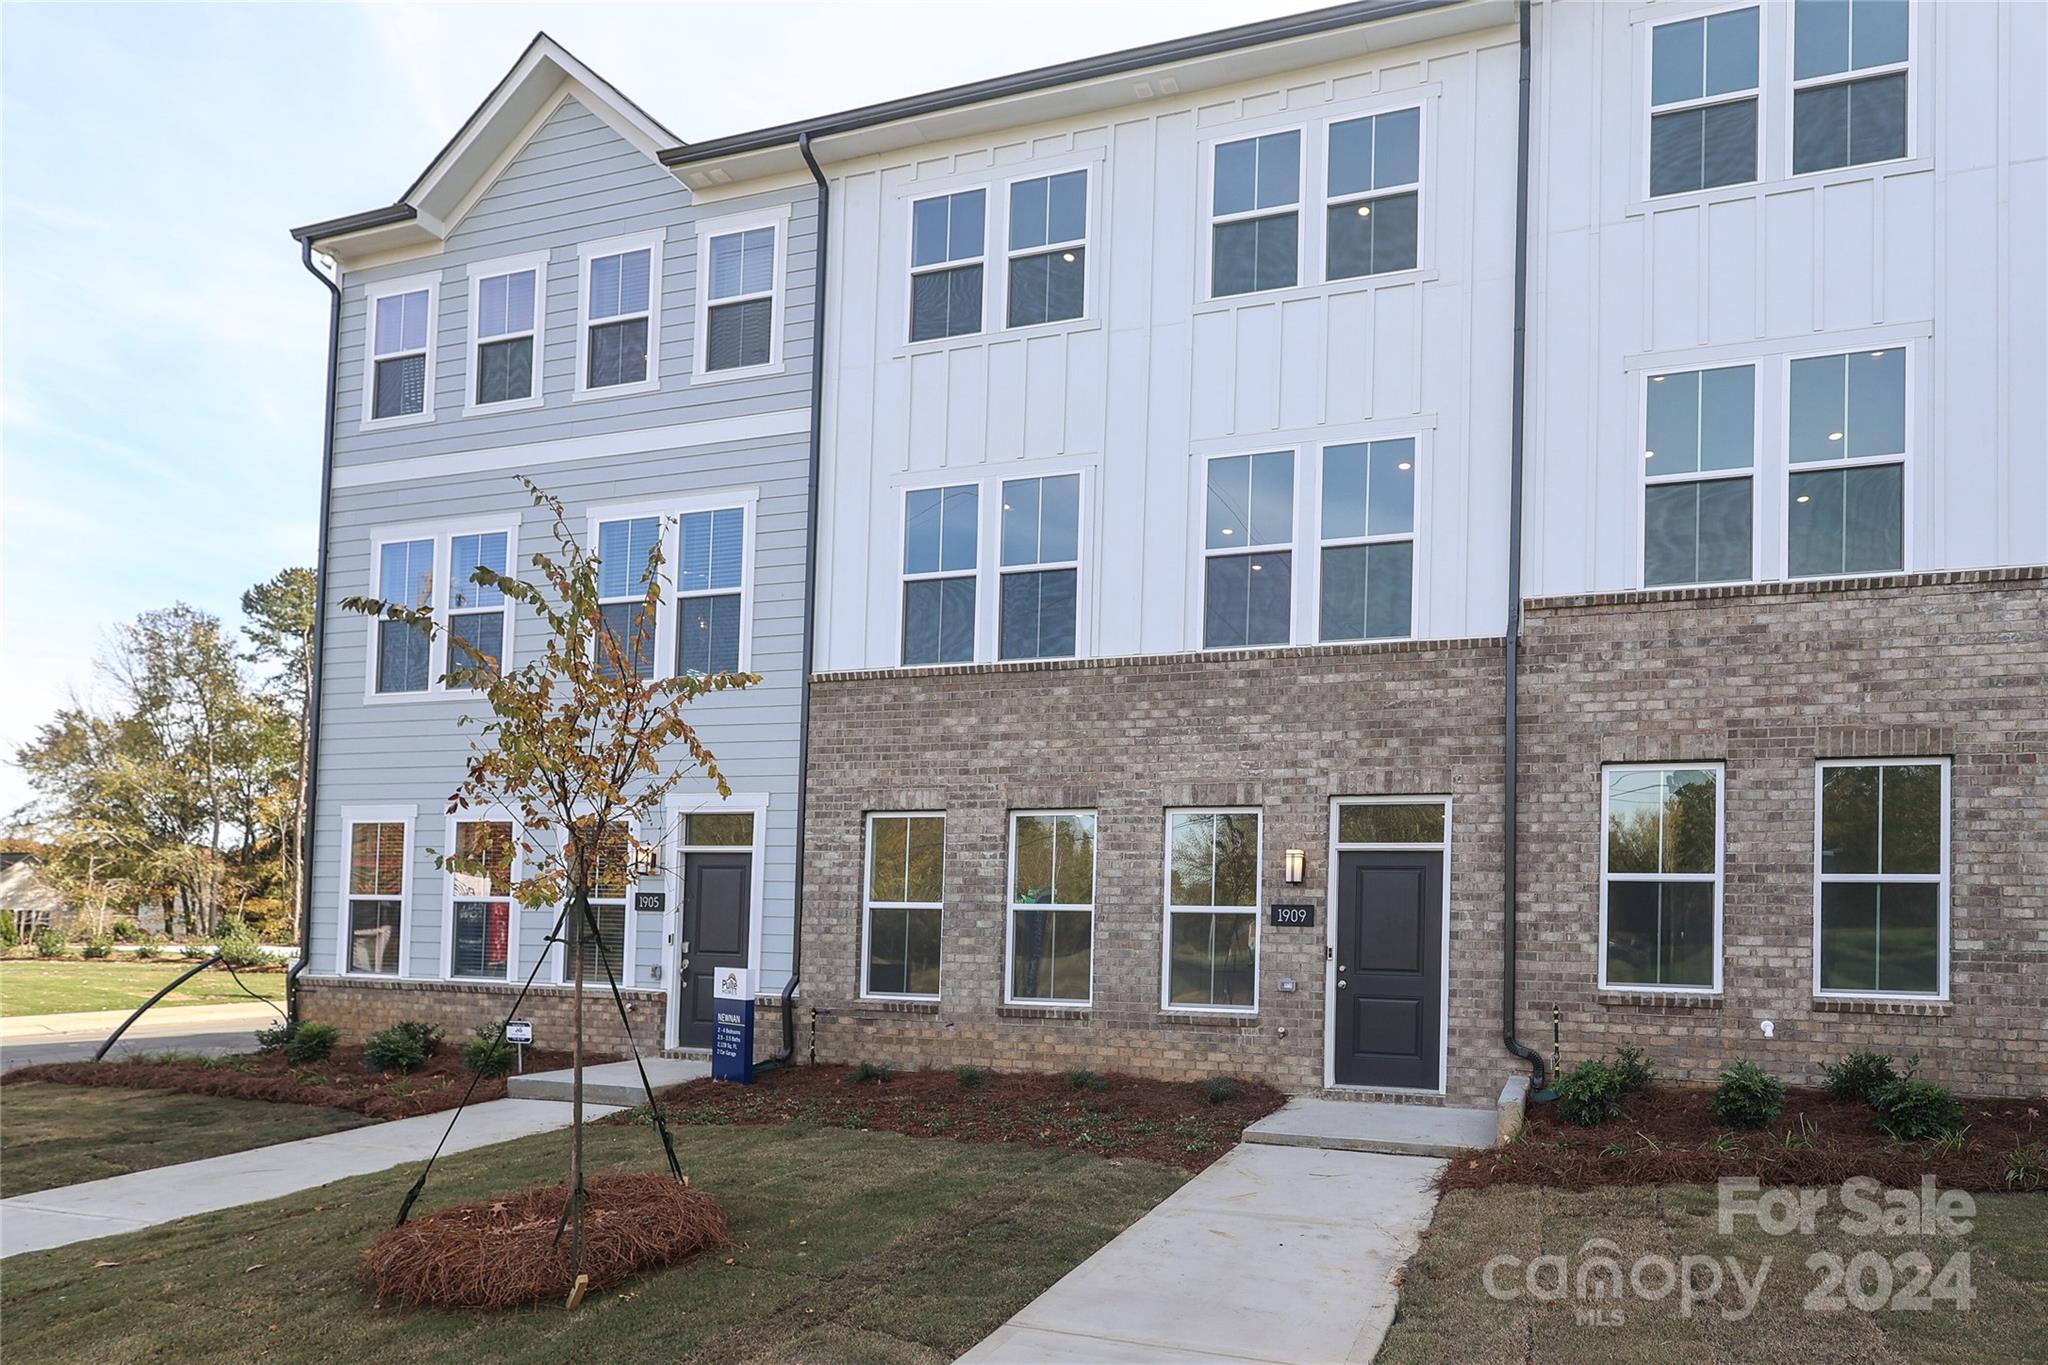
column 1389, row 1002
column 717, row 901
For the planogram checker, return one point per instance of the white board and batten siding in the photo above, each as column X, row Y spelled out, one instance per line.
column 577, row 180
column 1156, row 376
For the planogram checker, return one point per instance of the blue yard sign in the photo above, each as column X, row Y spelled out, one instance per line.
column 732, row 1025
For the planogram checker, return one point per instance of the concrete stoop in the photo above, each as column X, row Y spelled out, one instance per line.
column 1397, row 1129
column 616, row 1083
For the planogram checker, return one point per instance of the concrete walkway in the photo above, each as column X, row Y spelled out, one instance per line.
column 1361, row 1126
column 141, row 1199
column 212, row 1029
column 1272, row 1254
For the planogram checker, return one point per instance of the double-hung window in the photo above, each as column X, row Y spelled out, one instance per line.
column 480, row 901
column 476, row 611
column 1048, row 248
column 1882, row 850
column 405, row 578
column 739, row 318
column 1368, row 540
column 1255, row 215
column 625, row 549
column 505, row 318
column 379, row 850
column 610, row 879
column 1375, row 195
column 618, row 317
column 905, row 905
column 710, row 584
column 1847, row 448
column 1703, row 102
column 948, row 237
column 1052, row 907
column 1041, row 566
column 1212, row 909
column 940, row 539
column 401, row 353
column 1660, row 878
column 1699, row 454
column 1247, row 556
column 1848, row 83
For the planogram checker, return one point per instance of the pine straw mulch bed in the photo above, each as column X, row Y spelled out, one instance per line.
column 343, row 1081
column 1668, row 1135
column 1171, row 1122
column 503, row 1253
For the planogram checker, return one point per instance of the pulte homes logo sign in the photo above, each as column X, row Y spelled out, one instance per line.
column 1600, row 1286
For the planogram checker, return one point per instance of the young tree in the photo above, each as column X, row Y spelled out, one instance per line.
column 580, row 746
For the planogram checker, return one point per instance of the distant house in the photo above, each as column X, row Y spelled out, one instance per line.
column 29, row 896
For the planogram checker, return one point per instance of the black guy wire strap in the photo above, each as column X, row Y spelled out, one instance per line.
column 554, row 937
column 654, row 1106
column 245, row 987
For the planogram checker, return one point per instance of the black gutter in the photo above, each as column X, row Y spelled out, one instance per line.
column 355, row 222
column 310, row 779
column 1046, row 77
column 1512, row 664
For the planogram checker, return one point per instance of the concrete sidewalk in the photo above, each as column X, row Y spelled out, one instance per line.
column 213, row 1029
column 141, row 1199
column 1272, row 1254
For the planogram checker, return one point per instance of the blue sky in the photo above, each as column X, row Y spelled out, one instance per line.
column 161, row 350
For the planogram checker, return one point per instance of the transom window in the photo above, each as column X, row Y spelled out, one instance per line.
column 611, row 879
column 740, row 320
column 1041, row 566
column 905, row 905
column 1247, row 565
column 405, row 577
column 507, row 339
column 948, row 236
column 625, row 549
column 377, row 854
column 719, row 829
column 480, row 900
column 1374, row 188
column 1848, row 458
column 1390, row 822
column 1882, row 849
column 1048, row 248
column 710, row 578
column 399, row 335
column 1660, row 878
column 1212, row 909
column 941, row 534
column 1255, row 214
column 1703, row 102
column 1052, row 907
column 619, row 316
column 476, row 611
column 1699, row 454
column 1368, row 540
column 1848, row 83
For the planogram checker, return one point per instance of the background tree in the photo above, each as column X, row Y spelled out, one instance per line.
column 279, row 625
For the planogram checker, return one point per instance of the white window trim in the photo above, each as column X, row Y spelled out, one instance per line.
column 1012, row 906
column 1306, row 272
column 385, row 289
column 868, row 904
column 983, row 646
column 1720, row 771
column 1330, row 964
column 1753, row 472
column 1904, row 459
column 670, row 512
column 481, row 815
column 1795, row 84
column 1292, row 547
column 588, row 252
column 351, row 816
column 1257, row 910
column 776, row 219
column 1412, row 537
column 912, row 270
column 442, row 534
column 1647, row 65
column 1002, row 570
column 1942, row 880
column 478, row 273
column 676, row 809
column 1085, row 243
column 1423, row 108
column 560, row 951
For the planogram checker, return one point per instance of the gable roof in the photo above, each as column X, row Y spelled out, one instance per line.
column 432, row 205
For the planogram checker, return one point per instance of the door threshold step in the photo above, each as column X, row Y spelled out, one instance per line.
column 612, row 1083
column 688, row 1054
column 1355, row 1126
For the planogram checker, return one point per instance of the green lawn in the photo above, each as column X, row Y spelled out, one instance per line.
column 1444, row 1297
column 63, row 1134
column 67, row 987
column 852, row 1247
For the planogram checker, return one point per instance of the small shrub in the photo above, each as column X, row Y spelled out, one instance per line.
column 49, row 943
column 1911, row 1110
column 311, row 1043
column 1590, row 1093
column 1218, row 1089
column 10, row 932
column 1634, row 1070
column 868, row 1073
column 125, row 930
column 487, row 1054
column 2025, row 1166
column 238, row 945
column 1748, row 1097
column 405, row 1046
column 1859, row 1076
column 97, row 948
column 148, row 951
column 970, row 1077
column 194, row 950
column 1081, row 1078
column 274, row 1039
